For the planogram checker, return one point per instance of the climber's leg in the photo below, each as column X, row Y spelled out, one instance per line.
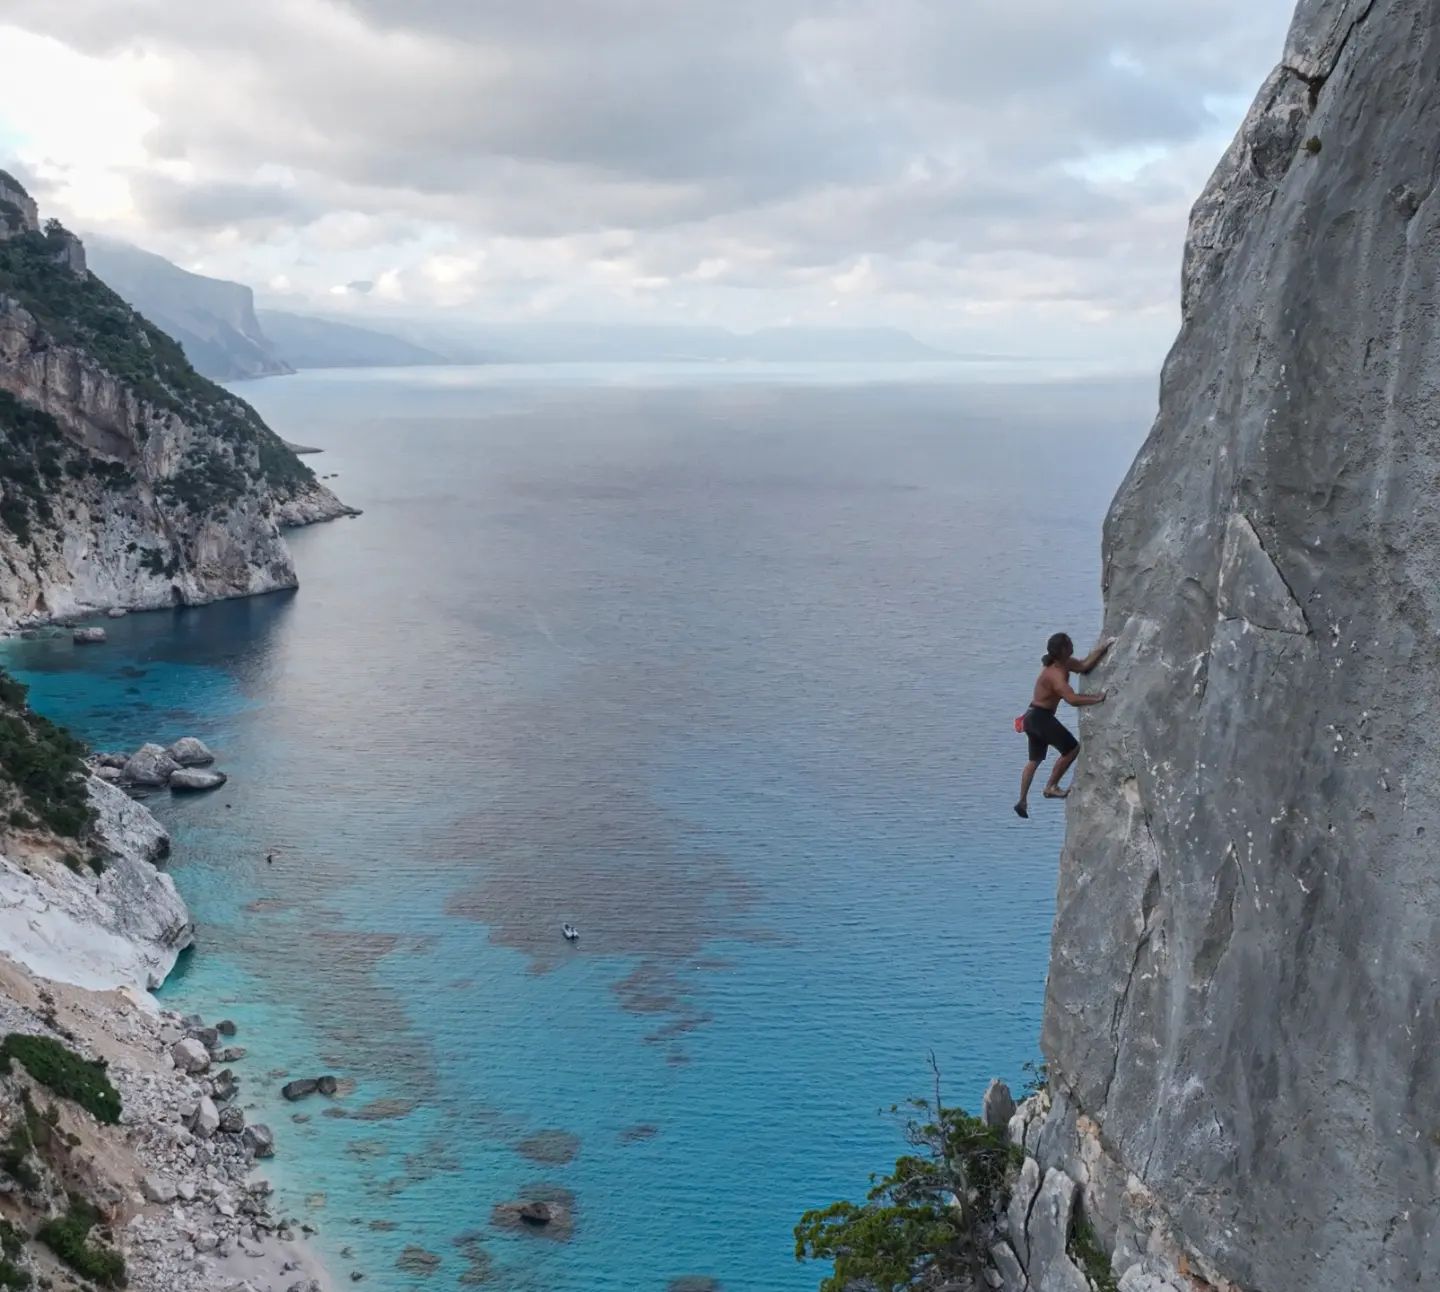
column 1022, row 808
column 1053, row 790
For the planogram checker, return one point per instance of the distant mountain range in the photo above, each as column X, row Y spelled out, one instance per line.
column 213, row 320
column 222, row 333
column 560, row 342
column 226, row 338
column 309, row 342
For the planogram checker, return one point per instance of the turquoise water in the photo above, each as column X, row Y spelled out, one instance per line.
column 721, row 671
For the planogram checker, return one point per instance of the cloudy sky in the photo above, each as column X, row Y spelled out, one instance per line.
column 999, row 175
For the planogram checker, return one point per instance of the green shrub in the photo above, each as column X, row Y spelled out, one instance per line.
column 15, row 1157
column 83, row 1081
column 12, row 1240
column 205, row 483
column 152, row 560
column 33, row 455
column 925, row 1224
column 44, row 763
column 1083, row 1247
column 12, row 1244
column 68, row 1237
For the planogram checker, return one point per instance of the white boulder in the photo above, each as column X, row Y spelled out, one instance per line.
column 194, row 779
column 207, row 1118
column 149, row 765
column 190, row 752
column 158, row 1188
column 190, row 1056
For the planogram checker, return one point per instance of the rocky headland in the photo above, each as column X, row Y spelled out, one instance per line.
column 127, row 480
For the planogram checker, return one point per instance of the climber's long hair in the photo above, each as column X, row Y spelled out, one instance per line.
column 1058, row 649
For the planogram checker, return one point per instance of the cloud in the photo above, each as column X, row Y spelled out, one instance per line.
column 756, row 158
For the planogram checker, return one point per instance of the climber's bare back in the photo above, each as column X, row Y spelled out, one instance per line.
column 1050, row 686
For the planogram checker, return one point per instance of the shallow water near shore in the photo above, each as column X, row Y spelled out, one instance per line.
column 721, row 671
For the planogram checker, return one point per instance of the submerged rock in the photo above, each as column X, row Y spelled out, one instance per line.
column 549, row 1216
column 553, row 1147
column 416, row 1260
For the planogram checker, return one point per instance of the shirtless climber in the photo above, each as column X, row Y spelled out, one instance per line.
column 1042, row 727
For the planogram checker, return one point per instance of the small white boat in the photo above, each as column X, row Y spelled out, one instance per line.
column 572, row 934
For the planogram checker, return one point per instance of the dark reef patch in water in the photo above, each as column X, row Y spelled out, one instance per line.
column 551, row 1147
column 380, row 1110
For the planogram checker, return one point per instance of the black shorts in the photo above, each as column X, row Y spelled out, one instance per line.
column 1044, row 729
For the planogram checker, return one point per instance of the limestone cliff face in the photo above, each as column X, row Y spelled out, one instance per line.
column 123, row 927
column 126, row 479
column 1243, row 1005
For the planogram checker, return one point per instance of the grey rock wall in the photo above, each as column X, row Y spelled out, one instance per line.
column 128, row 547
column 1243, row 996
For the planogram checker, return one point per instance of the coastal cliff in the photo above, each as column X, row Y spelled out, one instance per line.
column 126, row 479
column 1242, row 1010
column 214, row 320
column 125, row 1155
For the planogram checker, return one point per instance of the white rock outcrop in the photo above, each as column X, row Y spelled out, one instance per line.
column 189, row 751
column 149, row 765
column 193, row 779
column 124, row 926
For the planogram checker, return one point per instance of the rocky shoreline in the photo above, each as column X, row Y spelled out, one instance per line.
column 168, row 1187
column 172, row 1181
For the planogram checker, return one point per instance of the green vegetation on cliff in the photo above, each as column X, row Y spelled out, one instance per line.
column 80, row 311
column 68, row 1237
column 32, row 452
column 43, row 764
column 926, row 1224
column 82, row 1081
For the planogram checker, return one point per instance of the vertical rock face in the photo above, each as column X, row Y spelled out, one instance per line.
column 126, row 479
column 1243, row 990
column 213, row 319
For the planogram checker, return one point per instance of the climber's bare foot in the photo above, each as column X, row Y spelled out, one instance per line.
column 1052, row 793
column 1021, row 810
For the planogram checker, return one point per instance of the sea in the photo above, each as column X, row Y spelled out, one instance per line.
column 717, row 663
